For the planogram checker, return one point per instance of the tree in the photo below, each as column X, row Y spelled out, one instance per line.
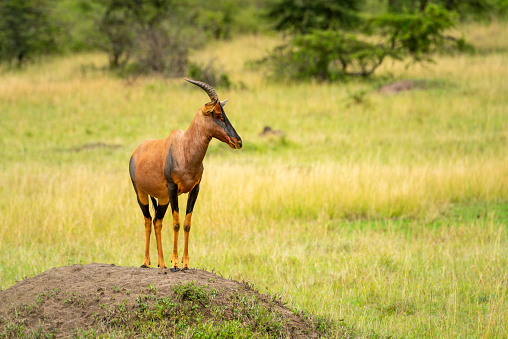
column 25, row 30
column 117, row 26
column 465, row 8
column 303, row 16
column 155, row 34
column 330, row 54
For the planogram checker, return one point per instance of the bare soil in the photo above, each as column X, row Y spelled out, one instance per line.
column 82, row 298
column 401, row 86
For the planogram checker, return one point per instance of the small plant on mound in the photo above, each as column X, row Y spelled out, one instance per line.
column 226, row 329
column 191, row 292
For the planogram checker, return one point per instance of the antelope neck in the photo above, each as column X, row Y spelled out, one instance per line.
column 195, row 143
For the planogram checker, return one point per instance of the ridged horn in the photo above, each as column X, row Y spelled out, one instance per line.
column 207, row 88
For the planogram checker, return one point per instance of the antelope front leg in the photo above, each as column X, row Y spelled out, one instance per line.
column 193, row 195
column 173, row 199
column 176, row 229
column 186, row 228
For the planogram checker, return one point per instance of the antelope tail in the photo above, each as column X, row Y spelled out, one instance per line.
column 154, row 202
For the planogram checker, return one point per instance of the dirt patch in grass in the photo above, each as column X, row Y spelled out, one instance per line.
column 94, row 145
column 401, row 86
column 100, row 300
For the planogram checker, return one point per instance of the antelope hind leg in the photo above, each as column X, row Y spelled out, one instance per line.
column 143, row 204
column 157, row 223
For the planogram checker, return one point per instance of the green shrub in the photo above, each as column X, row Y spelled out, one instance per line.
column 306, row 15
column 335, row 54
column 209, row 74
column 25, row 30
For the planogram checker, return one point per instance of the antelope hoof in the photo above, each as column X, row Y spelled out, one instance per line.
column 144, row 266
column 175, row 269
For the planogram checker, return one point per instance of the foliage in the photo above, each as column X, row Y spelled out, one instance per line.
column 303, row 16
column 25, row 30
column 475, row 9
column 152, row 32
column 209, row 74
column 333, row 54
column 116, row 26
column 215, row 18
column 157, row 35
column 417, row 34
column 325, row 55
column 78, row 28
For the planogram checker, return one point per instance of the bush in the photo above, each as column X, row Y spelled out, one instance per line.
column 325, row 55
column 146, row 36
column 306, row 15
column 25, row 30
column 209, row 74
column 417, row 35
column 154, row 34
column 334, row 54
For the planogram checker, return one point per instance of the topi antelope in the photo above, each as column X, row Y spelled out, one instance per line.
column 165, row 168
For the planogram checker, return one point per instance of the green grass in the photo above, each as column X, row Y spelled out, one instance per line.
column 389, row 214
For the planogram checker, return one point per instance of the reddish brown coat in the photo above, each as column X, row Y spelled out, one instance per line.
column 174, row 165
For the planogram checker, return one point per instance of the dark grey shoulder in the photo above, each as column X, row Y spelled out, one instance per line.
column 132, row 167
column 170, row 164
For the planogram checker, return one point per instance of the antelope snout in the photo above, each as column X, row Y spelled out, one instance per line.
column 235, row 143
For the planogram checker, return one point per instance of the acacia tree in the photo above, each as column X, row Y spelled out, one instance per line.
column 25, row 30
column 330, row 52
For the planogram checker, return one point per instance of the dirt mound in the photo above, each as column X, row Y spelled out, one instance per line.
column 106, row 300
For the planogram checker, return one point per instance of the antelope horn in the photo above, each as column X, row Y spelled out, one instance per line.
column 207, row 88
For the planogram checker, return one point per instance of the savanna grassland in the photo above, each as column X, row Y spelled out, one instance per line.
column 387, row 213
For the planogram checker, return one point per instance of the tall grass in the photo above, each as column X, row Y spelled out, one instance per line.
column 387, row 212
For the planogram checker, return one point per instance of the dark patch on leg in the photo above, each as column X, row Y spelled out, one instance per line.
column 173, row 195
column 193, row 195
column 144, row 209
column 161, row 211
column 187, row 228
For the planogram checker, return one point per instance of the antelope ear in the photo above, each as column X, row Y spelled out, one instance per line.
column 209, row 107
column 223, row 103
